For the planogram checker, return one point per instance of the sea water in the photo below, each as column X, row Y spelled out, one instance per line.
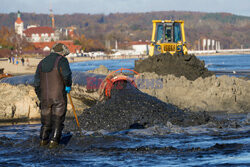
column 155, row 146
column 233, row 65
column 227, row 62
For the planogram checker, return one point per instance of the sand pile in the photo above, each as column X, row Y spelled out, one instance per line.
column 20, row 102
column 100, row 70
column 224, row 93
column 130, row 108
column 177, row 65
column 213, row 94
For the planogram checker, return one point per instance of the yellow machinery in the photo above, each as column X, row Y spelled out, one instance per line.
column 168, row 36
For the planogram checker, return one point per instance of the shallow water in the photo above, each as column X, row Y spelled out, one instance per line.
column 232, row 65
column 110, row 64
column 227, row 62
column 155, row 146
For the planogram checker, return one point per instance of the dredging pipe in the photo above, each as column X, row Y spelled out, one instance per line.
column 88, row 86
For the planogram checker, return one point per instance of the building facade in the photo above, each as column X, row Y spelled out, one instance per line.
column 140, row 47
column 41, row 34
column 43, row 38
column 35, row 33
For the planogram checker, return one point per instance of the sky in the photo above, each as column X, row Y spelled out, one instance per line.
column 239, row 7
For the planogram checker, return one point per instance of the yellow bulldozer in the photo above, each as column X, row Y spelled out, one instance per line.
column 168, row 36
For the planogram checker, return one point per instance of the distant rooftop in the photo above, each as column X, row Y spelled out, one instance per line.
column 38, row 30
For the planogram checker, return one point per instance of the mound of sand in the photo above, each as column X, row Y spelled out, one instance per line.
column 21, row 102
column 224, row 93
column 18, row 102
column 130, row 108
column 178, row 65
column 100, row 70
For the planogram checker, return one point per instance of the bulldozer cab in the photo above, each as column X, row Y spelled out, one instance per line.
column 168, row 36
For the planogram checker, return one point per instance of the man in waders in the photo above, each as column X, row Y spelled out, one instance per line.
column 52, row 82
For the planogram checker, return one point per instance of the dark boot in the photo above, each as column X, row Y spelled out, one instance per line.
column 55, row 138
column 46, row 122
column 43, row 142
column 53, row 144
column 56, row 135
column 45, row 133
column 58, row 117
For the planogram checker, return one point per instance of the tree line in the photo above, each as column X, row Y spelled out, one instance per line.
column 93, row 30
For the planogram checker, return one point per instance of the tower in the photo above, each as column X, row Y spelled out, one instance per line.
column 52, row 16
column 19, row 24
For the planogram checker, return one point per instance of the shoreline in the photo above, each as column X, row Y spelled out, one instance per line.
column 221, row 54
column 26, row 121
column 30, row 67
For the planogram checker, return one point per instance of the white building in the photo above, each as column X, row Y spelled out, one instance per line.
column 35, row 33
column 140, row 47
column 40, row 34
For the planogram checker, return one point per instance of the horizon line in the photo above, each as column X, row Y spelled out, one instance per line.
column 106, row 14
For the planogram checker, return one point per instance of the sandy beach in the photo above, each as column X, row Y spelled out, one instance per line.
column 30, row 66
column 14, row 69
